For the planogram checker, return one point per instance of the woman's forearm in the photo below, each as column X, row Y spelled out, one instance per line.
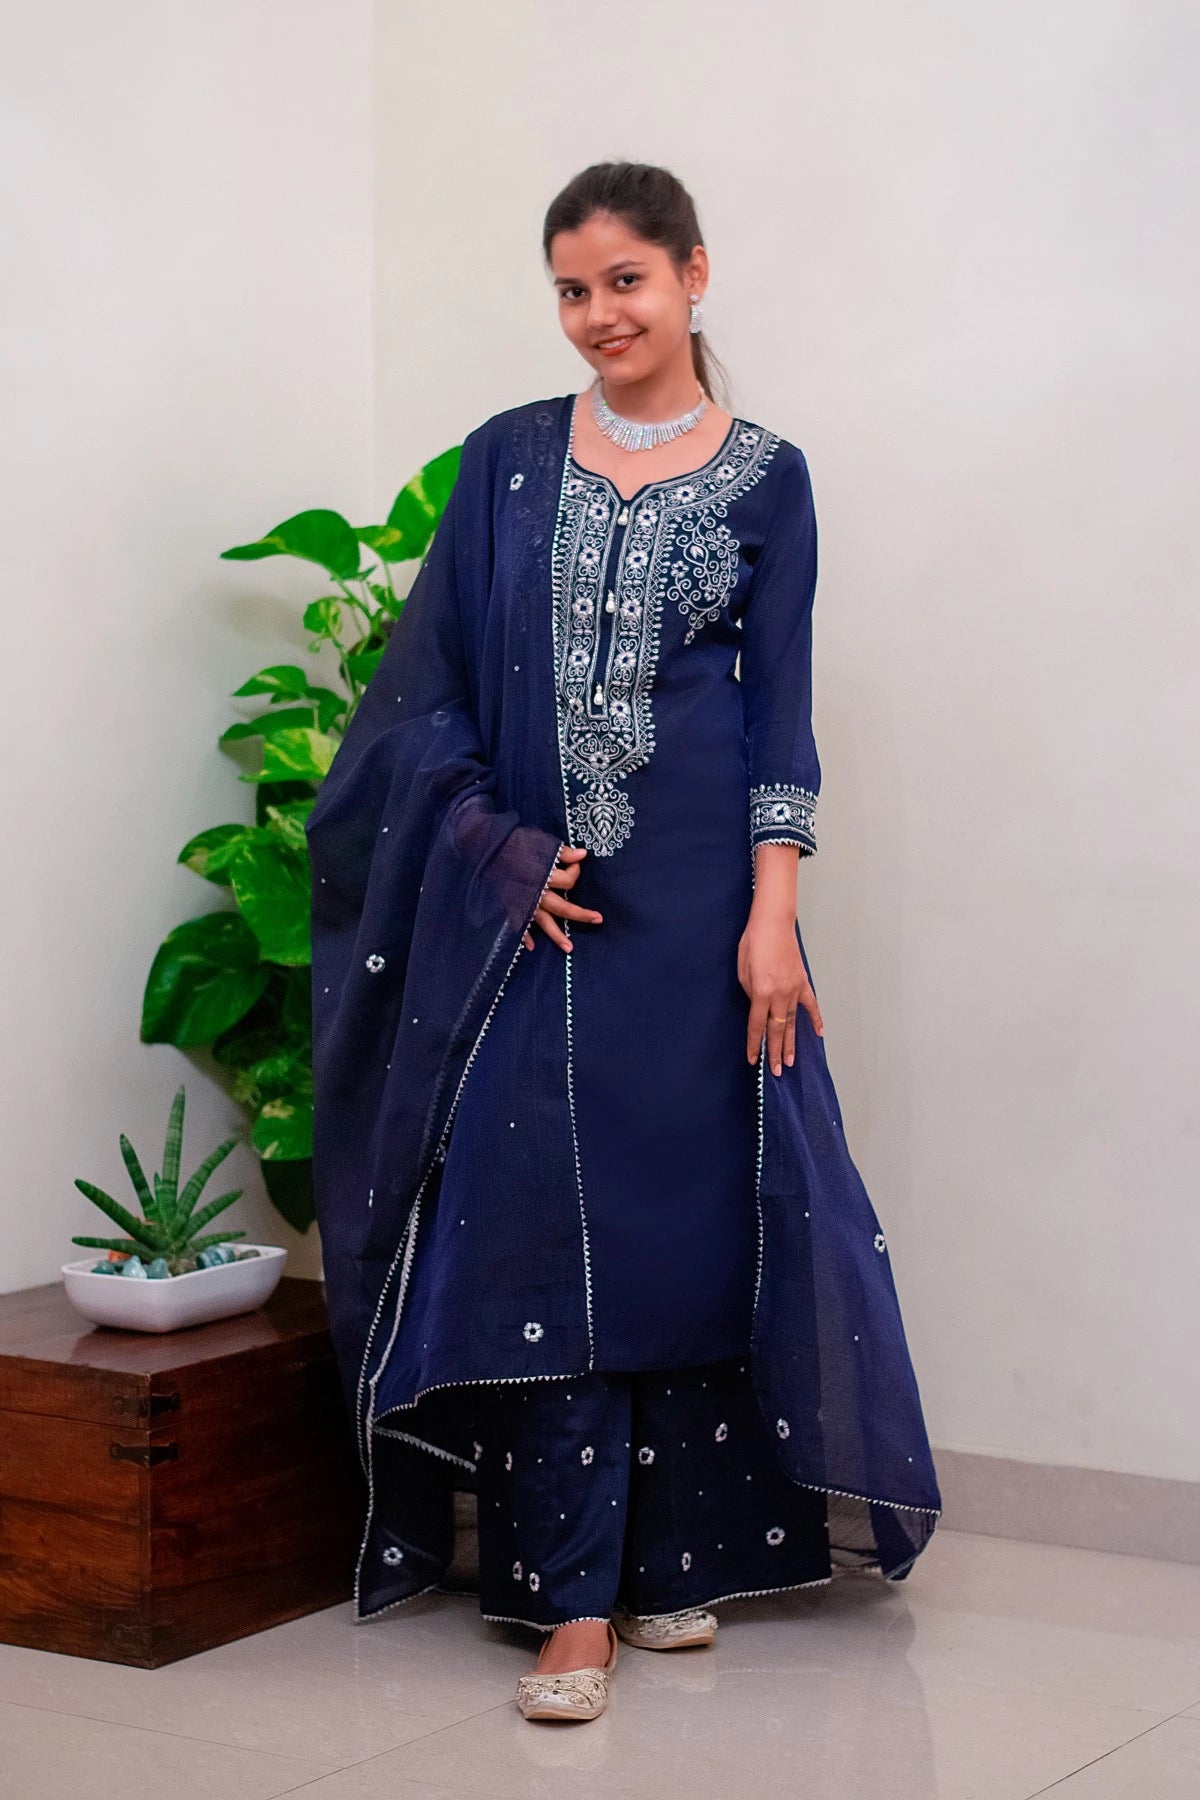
column 775, row 868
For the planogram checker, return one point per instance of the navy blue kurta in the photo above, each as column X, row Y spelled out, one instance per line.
column 535, row 1164
column 653, row 599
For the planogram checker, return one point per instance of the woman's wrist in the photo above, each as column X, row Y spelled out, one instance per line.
column 775, row 867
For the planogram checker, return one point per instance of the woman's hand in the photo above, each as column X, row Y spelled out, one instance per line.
column 771, row 971
column 552, row 906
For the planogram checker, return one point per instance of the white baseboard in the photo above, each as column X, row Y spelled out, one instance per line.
column 1047, row 1503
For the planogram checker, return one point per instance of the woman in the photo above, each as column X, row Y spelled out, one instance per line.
column 594, row 1243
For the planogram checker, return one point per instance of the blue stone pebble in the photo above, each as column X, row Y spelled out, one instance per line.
column 106, row 1268
column 135, row 1267
column 215, row 1256
column 158, row 1270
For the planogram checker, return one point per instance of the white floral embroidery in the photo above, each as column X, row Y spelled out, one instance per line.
column 374, row 963
column 685, row 1561
column 880, row 1241
column 677, row 548
column 535, row 1581
column 392, row 1556
column 517, row 479
column 518, row 1571
column 586, row 1454
column 645, row 1455
column 478, row 1449
column 721, row 1433
column 533, row 1331
column 781, row 810
column 508, row 1459
column 783, row 1428
column 775, row 1535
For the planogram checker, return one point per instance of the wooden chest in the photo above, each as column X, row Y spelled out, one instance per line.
column 162, row 1494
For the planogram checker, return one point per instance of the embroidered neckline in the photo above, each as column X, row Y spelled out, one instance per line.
column 648, row 487
column 677, row 550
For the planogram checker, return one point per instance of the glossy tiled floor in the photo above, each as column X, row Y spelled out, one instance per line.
column 998, row 1671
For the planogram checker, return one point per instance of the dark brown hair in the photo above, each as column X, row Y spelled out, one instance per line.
column 656, row 206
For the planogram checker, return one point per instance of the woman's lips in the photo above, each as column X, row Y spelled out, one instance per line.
column 618, row 346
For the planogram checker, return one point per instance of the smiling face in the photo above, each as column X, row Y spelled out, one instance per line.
column 621, row 301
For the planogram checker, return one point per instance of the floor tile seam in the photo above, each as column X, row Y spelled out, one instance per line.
column 975, row 1686
column 215, row 1743
column 987, row 1681
column 407, row 1744
column 1105, row 1754
column 992, row 1682
column 182, row 1737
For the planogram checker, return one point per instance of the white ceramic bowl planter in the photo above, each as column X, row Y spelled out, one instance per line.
column 177, row 1300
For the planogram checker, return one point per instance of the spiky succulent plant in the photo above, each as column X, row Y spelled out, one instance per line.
column 172, row 1221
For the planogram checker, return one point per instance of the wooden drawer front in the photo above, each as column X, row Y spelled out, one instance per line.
column 70, row 1581
column 72, row 1466
column 71, row 1392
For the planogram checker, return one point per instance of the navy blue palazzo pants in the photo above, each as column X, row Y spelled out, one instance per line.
column 651, row 1490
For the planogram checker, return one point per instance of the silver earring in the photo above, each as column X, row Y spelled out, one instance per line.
column 697, row 310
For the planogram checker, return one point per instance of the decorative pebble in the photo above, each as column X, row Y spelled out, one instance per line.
column 215, row 1256
column 135, row 1267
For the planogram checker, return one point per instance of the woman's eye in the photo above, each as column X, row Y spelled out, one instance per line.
column 570, row 293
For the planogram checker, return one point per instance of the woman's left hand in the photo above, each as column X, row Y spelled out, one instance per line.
column 771, row 971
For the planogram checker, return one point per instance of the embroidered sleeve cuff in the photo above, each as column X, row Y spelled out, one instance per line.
column 782, row 813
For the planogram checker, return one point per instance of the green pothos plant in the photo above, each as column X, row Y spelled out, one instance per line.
column 236, row 981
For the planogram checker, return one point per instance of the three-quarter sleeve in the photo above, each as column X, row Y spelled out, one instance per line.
column 776, row 667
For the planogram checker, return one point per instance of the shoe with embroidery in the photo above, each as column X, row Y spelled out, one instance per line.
column 667, row 1631
column 575, row 1694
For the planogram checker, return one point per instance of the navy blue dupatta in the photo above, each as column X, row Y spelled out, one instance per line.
column 432, row 839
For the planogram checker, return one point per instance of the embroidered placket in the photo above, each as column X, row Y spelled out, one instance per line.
column 617, row 564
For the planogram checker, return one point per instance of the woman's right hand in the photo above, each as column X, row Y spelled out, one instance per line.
column 553, row 906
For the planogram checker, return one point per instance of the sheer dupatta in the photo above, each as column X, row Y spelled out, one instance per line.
column 831, row 1360
column 423, row 884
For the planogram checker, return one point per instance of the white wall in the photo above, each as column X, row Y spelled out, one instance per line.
column 185, row 361
column 952, row 258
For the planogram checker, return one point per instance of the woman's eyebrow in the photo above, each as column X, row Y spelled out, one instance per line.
column 626, row 262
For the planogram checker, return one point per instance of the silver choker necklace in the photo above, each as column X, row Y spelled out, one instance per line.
column 631, row 434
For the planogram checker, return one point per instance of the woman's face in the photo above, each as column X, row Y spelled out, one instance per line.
column 621, row 301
